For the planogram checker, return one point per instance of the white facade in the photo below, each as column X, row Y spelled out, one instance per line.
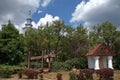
column 94, row 62
column 96, row 66
column 91, row 62
column 110, row 62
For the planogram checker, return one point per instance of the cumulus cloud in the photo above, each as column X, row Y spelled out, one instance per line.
column 18, row 10
column 45, row 3
column 97, row 11
column 21, row 26
column 47, row 19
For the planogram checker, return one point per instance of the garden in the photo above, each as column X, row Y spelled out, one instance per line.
column 73, row 74
column 69, row 44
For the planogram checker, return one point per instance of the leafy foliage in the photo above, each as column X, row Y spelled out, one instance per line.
column 7, row 71
column 88, row 73
column 72, row 76
column 68, row 43
column 105, row 73
column 84, row 74
column 10, row 45
column 30, row 73
column 68, row 64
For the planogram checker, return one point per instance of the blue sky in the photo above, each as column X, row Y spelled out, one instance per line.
column 72, row 12
column 61, row 8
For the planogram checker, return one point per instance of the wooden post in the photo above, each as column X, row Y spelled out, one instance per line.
column 49, row 61
column 49, row 64
column 29, row 56
column 42, row 58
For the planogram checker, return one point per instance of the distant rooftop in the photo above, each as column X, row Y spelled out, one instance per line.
column 100, row 50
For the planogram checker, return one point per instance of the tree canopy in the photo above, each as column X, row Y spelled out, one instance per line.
column 66, row 42
column 10, row 45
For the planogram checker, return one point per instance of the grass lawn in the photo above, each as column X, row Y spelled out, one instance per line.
column 65, row 76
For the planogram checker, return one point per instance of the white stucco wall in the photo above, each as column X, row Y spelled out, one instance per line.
column 110, row 65
column 91, row 62
column 107, row 62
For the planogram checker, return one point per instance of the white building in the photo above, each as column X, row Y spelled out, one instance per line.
column 100, row 56
column 28, row 24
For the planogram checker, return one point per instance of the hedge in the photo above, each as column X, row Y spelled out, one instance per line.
column 7, row 70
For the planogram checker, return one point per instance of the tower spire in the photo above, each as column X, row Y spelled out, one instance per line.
column 29, row 20
column 28, row 24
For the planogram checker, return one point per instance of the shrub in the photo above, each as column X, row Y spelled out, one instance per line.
column 80, row 76
column 84, row 74
column 56, row 66
column 59, row 76
column 23, row 64
column 67, row 65
column 78, row 63
column 105, row 73
column 88, row 73
column 72, row 76
column 7, row 71
column 30, row 73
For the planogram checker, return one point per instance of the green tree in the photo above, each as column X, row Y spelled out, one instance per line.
column 10, row 49
column 116, row 49
column 104, row 32
column 74, row 43
column 107, row 32
column 48, row 36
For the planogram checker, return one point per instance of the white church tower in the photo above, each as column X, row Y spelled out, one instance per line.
column 28, row 23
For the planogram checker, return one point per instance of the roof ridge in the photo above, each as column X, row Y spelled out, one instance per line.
column 98, row 51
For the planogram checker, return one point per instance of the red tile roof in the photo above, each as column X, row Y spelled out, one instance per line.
column 100, row 50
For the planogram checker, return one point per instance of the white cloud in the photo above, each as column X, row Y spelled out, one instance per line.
column 45, row 3
column 16, row 10
column 97, row 11
column 33, row 3
column 21, row 26
column 39, row 11
column 48, row 18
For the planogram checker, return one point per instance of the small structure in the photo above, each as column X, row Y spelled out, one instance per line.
column 48, row 57
column 100, row 56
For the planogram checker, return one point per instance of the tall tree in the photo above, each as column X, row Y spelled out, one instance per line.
column 76, row 41
column 10, row 50
column 48, row 36
column 116, row 49
column 104, row 32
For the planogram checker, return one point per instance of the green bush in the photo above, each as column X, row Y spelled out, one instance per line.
column 57, row 66
column 72, row 76
column 88, row 73
column 68, row 64
column 23, row 64
column 7, row 71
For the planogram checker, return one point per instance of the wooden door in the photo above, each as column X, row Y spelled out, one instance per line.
column 101, row 62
